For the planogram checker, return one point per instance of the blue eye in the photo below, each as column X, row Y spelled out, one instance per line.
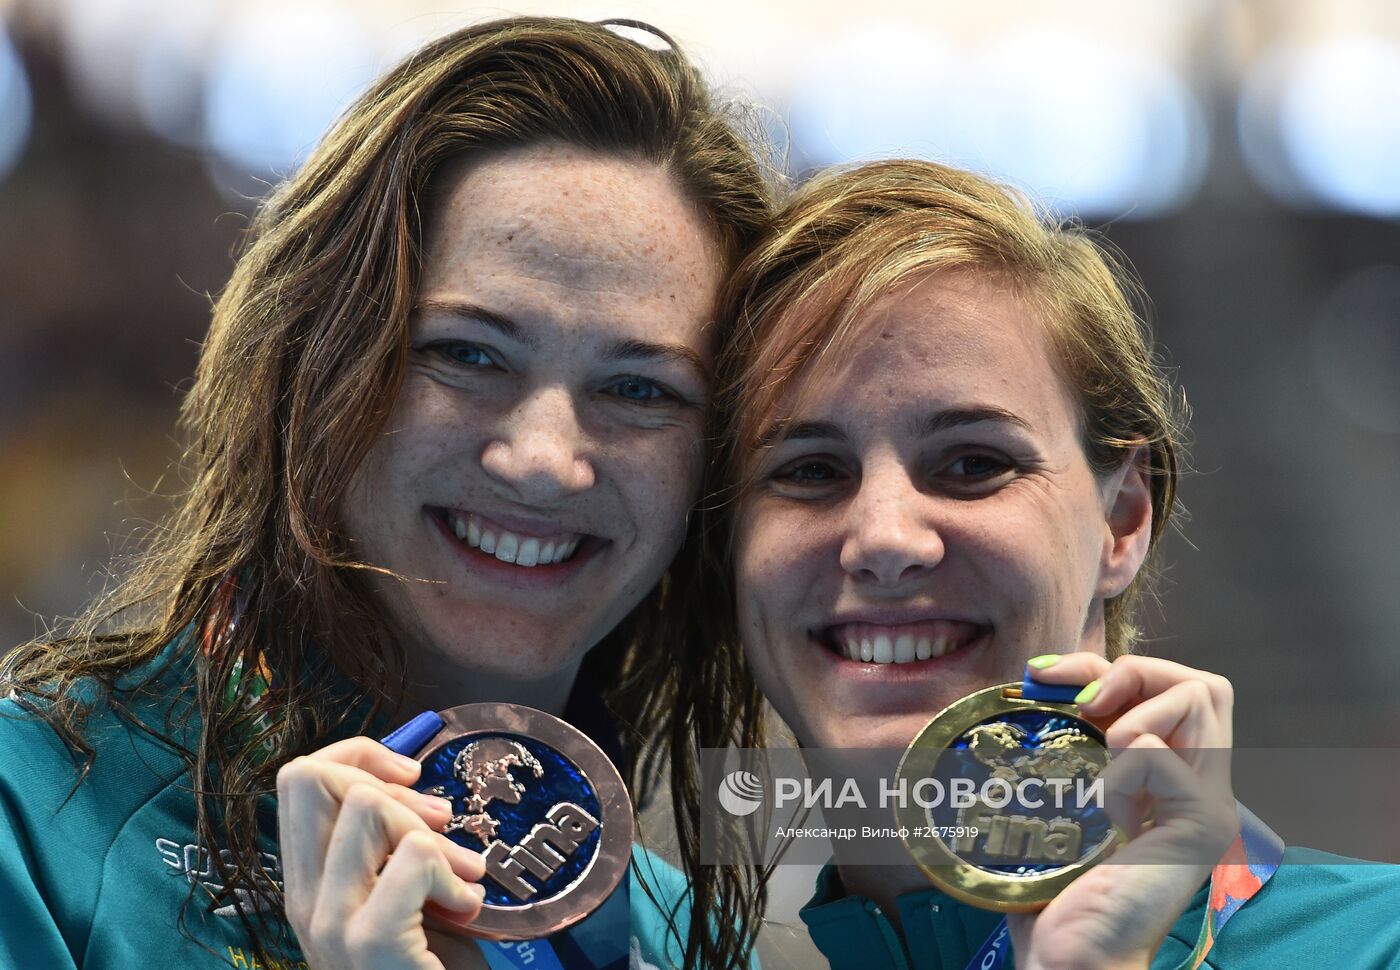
column 639, row 390
column 469, row 354
column 458, row 352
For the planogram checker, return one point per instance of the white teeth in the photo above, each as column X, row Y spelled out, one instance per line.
column 884, row 650
column 510, row 547
column 904, row 649
column 899, row 648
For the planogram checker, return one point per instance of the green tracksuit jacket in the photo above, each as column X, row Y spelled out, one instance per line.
column 96, row 874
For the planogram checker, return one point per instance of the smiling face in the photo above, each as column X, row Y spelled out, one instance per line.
column 927, row 521
column 533, row 479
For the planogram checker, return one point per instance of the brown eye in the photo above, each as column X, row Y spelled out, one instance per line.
column 811, row 472
column 978, row 466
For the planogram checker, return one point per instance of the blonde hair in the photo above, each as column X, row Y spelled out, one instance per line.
column 850, row 236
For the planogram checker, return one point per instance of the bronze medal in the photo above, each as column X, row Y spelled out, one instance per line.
column 542, row 803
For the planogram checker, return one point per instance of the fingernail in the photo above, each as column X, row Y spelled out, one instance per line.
column 462, row 909
column 1090, row 691
column 1043, row 661
column 437, row 803
column 406, row 763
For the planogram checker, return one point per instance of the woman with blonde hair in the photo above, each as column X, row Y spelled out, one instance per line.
column 951, row 455
column 442, row 443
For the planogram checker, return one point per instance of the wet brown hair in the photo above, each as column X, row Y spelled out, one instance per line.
column 852, row 235
column 302, row 364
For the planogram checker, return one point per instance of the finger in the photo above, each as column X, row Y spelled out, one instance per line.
column 1021, row 926
column 370, row 826
column 1194, row 818
column 1185, row 718
column 1126, row 801
column 337, row 778
column 1131, row 680
column 1067, row 668
column 309, row 797
column 371, row 756
column 420, row 875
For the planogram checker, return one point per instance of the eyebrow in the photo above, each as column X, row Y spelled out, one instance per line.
column 620, row 350
column 646, row 350
column 956, row 417
column 927, row 427
column 470, row 311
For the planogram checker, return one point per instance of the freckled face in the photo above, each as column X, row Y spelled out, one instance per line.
column 534, row 477
column 927, row 523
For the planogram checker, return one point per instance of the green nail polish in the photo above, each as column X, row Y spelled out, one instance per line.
column 1090, row 691
column 1044, row 660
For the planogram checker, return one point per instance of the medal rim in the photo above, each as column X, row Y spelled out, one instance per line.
column 611, row 859
column 958, row 878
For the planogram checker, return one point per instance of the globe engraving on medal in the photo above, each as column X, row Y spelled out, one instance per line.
column 1009, row 805
column 536, row 827
column 543, row 805
column 1060, row 757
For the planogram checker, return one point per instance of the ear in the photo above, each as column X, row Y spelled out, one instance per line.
column 1127, row 505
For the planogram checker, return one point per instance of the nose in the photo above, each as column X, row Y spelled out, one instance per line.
column 890, row 537
column 539, row 450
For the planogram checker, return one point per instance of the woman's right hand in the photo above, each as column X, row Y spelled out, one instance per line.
column 363, row 856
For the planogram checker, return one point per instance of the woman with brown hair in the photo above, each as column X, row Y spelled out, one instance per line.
column 951, row 455
column 445, row 433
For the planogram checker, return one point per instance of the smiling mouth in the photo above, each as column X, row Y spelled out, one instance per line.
column 901, row 643
column 523, row 549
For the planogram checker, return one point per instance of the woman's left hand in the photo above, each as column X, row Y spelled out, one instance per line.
column 1171, row 764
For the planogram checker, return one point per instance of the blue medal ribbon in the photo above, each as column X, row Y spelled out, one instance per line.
column 535, row 954
column 1034, row 690
column 992, row 955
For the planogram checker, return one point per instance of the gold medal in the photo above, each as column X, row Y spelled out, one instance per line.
column 1003, row 804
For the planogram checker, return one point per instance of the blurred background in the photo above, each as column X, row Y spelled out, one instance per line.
column 1245, row 156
